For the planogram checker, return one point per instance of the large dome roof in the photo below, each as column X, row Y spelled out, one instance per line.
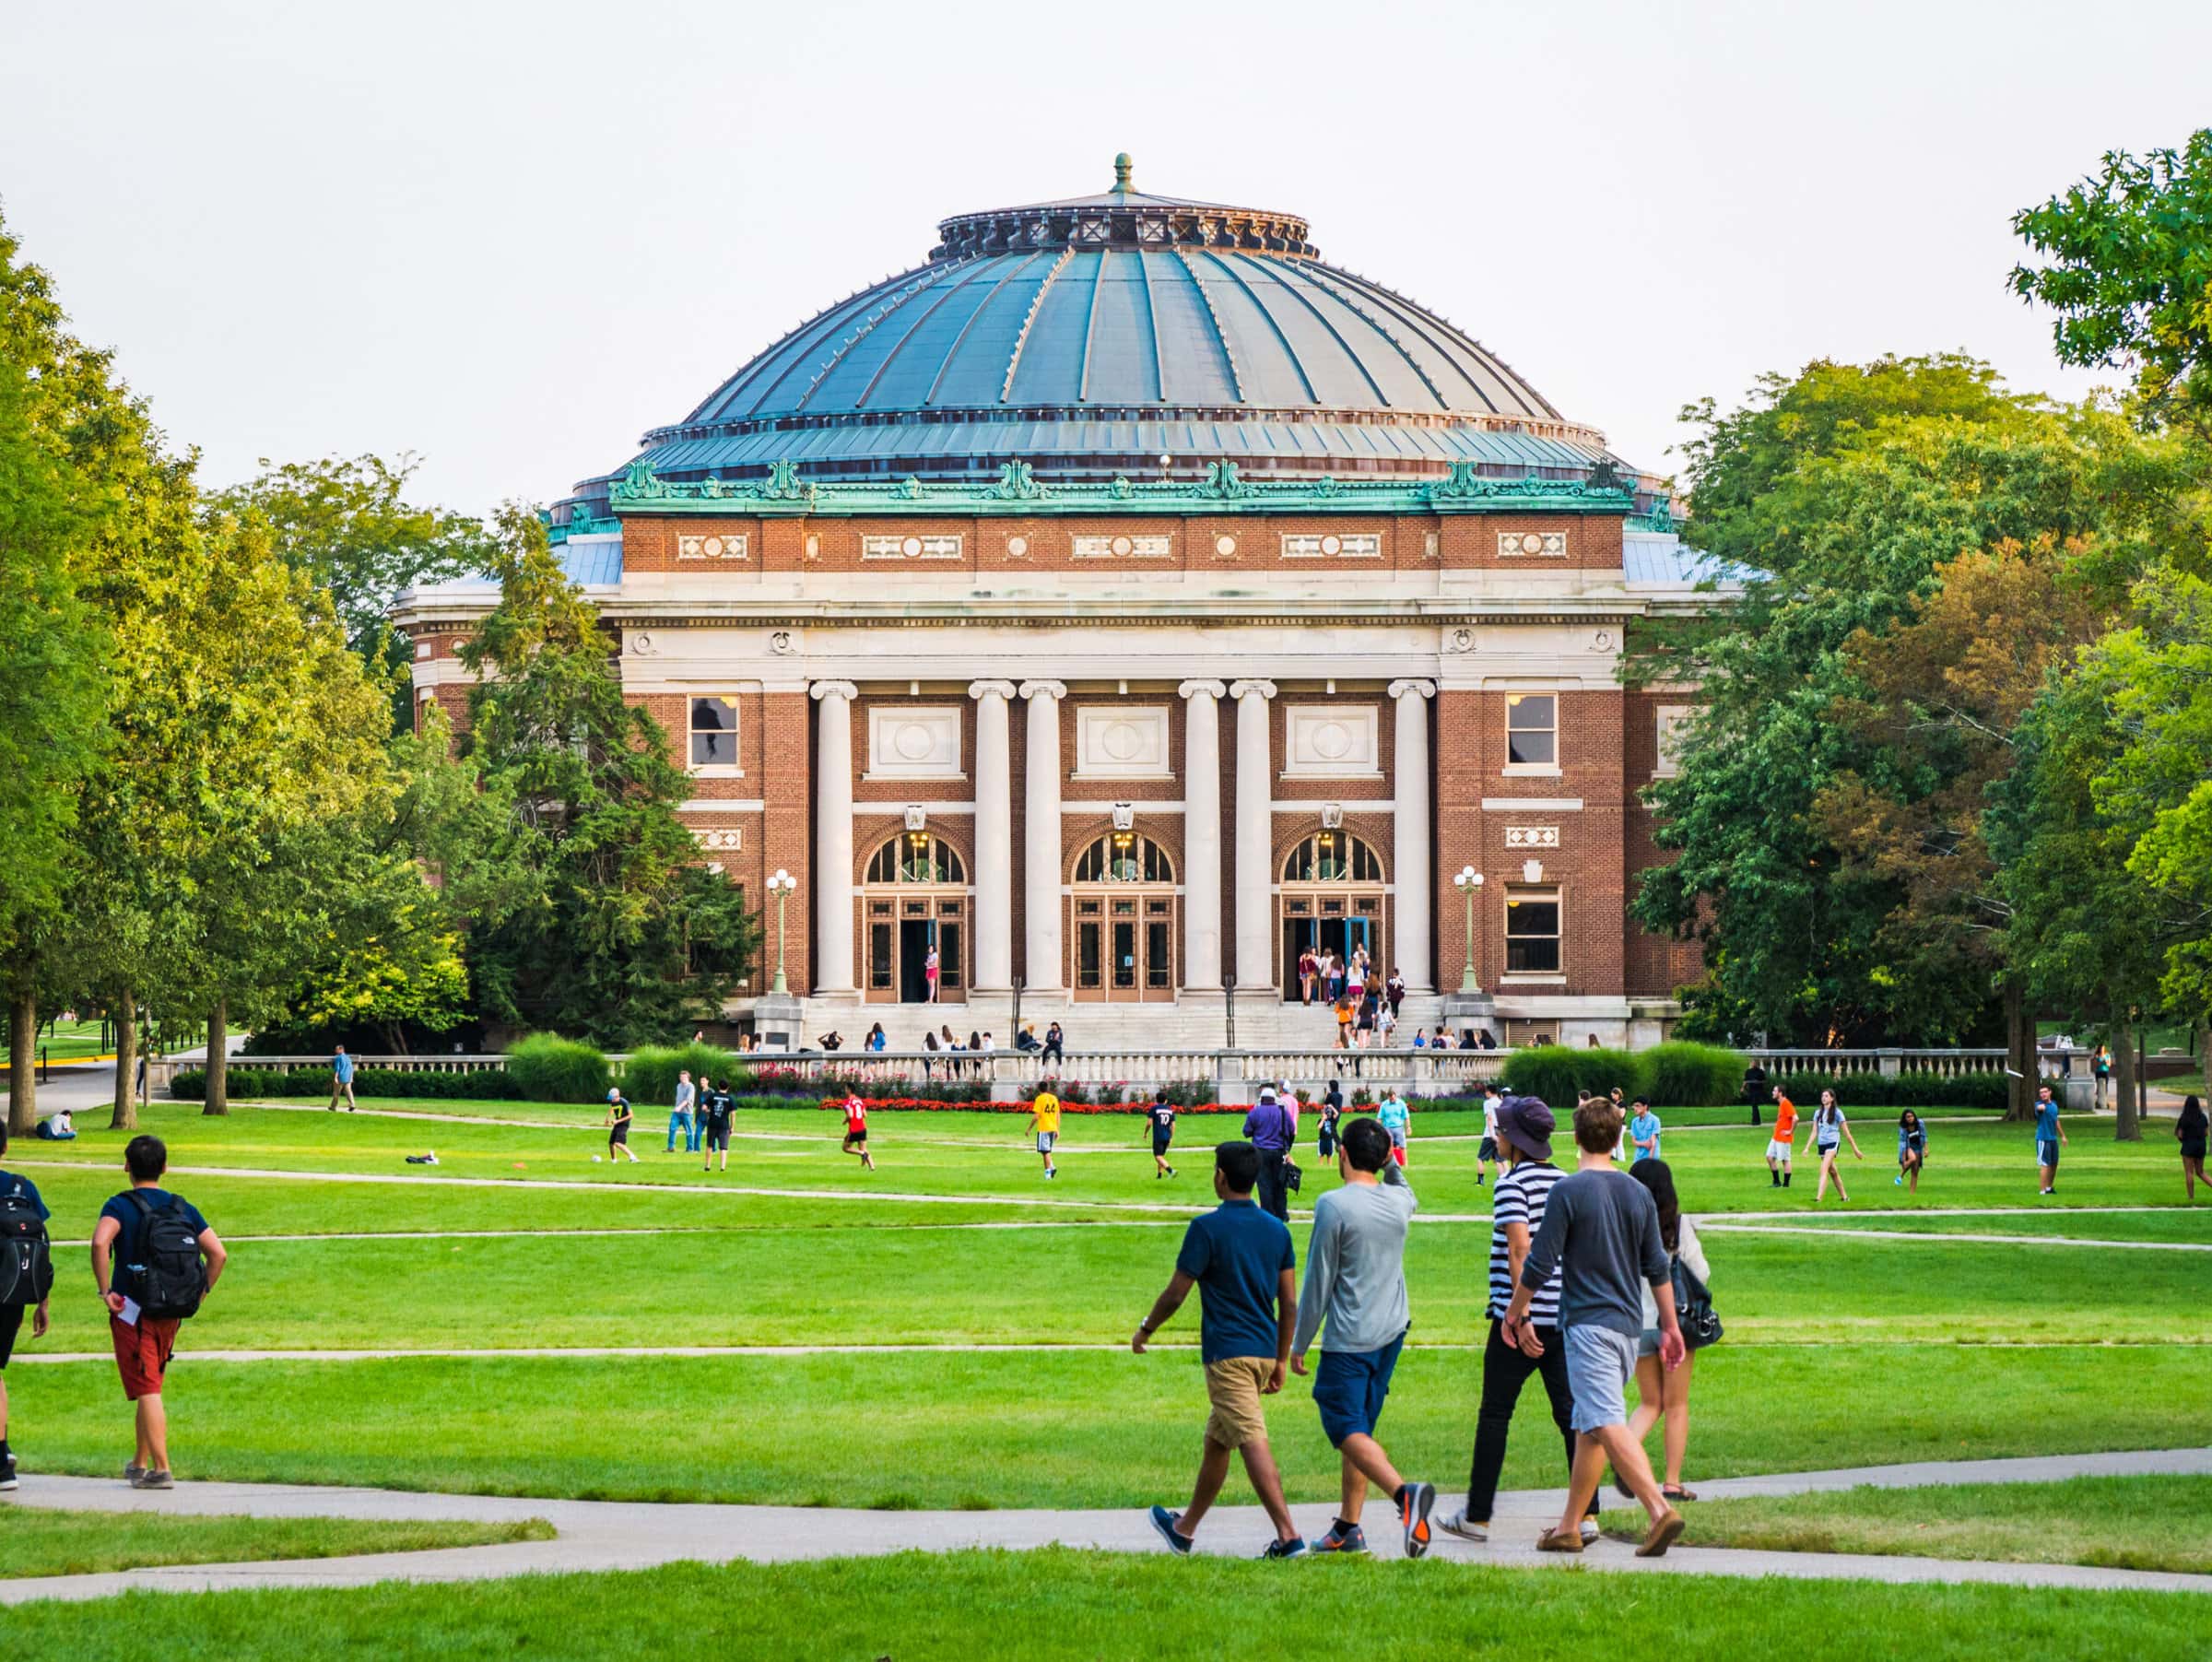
column 1090, row 336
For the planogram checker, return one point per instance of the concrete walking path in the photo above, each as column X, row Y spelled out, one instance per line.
column 602, row 1535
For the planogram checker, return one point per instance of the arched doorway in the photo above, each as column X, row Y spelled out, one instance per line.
column 914, row 901
column 1331, row 900
column 1122, row 909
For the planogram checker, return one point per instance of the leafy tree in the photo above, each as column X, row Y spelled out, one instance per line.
column 619, row 933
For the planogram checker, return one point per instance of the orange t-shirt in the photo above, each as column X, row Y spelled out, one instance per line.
column 1785, row 1120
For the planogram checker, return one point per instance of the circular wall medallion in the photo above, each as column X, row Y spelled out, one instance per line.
column 782, row 643
column 1225, row 545
column 1531, row 543
column 1121, row 741
column 911, row 546
column 1017, row 546
column 913, row 741
column 711, row 548
column 1332, row 740
column 1332, row 544
column 1121, row 545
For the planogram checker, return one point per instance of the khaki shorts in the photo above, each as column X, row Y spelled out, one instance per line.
column 1234, row 1385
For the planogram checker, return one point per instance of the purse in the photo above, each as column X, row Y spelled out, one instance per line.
column 1292, row 1175
column 1701, row 1322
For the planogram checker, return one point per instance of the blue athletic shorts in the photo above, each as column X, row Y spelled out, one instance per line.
column 2046, row 1152
column 1349, row 1387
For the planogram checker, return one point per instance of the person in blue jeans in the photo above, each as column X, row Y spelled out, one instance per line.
column 1356, row 1285
column 684, row 1117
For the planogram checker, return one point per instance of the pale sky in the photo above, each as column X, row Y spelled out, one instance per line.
column 513, row 236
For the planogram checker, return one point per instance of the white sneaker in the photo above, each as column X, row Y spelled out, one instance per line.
column 1468, row 1529
column 1589, row 1530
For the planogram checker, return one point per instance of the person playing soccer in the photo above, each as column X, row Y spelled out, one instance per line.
column 1778, row 1145
column 1162, row 1118
column 1044, row 1120
column 717, row 1107
column 2049, row 1134
column 617, row 1127
column 1397, row 1120
column 856, row 1130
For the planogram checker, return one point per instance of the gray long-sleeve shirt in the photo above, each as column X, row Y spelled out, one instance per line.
column 1601, row 1231
column 1356, row 1266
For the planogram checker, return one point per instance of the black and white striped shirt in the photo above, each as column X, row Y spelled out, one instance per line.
column 1519, row 1197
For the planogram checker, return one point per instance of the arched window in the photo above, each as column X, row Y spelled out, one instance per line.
column 1332, row 856
column 1124, row 857
column 916, row 857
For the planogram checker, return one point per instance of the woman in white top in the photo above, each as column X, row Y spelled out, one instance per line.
column 1831, row 1131
column 1662, row 1395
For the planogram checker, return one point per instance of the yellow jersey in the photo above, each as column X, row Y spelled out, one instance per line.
column 1047, row 1110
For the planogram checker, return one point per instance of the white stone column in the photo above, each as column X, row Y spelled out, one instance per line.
column 994, row 839
column 833, row 837
column 1413, row 866
column 1040, row 838
column 1255, row 836
column 1201, row 834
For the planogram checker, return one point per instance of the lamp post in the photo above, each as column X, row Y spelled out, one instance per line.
column 780, row 885
column 1469, row 883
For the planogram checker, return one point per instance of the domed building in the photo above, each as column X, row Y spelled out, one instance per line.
column 1125, row 602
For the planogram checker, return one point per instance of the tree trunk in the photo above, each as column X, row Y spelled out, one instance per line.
column 23, row 1063
column 2020, row 1056
column 126, row 1063
column 218, row 1058
column 2126, row 1126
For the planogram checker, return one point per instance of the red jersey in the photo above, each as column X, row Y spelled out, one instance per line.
column 856, row 1114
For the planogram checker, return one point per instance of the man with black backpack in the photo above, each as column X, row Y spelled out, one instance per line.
column 154, row 1258
column 25, row 1278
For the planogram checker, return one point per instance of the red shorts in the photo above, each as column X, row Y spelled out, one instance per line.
column 142, row 1352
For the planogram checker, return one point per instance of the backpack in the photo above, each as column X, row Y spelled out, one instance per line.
column 171, row 1279
column 1701, row 1322
column 26, row 1258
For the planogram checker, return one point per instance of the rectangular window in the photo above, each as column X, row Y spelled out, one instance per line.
column 1364, row 545
column 1532, row 932
column 1673, row 719
column 1532, row 730
column 910, row 548
column 713, row 732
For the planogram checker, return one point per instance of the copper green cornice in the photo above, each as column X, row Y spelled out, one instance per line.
column 780, row 492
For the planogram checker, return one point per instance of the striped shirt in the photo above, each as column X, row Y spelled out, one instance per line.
column 1519, row 1197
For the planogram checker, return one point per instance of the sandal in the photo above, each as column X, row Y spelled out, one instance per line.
column 1560, row 1540
column 1675, row 1492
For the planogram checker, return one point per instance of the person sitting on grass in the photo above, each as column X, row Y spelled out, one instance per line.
column 1912, row 1149
column 1242, row 1261
column 1355, row 1287
column 23, row 1215
column 2189, row 1131
column 618, row 1126
column 1044, row 1120
column 1601, row 1232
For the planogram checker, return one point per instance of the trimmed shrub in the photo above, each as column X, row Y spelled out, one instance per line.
column 650, row 1074
column 482, row 1085
column 1680, row 1075
column 546, row 1067
column 1544, row 1070
column 1866, row 1087
column 1599, row 1071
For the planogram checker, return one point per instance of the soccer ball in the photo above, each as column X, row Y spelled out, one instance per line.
column 595, row 1160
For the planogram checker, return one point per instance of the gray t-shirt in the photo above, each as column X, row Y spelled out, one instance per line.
column 1355, row 1265
column 1601, row 1232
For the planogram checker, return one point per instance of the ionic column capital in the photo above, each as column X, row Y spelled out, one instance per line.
column 833, row 690
column 1426, row 689
column 1244, row 689
column 1037, row 689
column 1212, row 690
column 983, row 689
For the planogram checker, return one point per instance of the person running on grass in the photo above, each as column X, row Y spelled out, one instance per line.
column 1044, row 1120
column 617, row 1127
column 1396, row 1120
column 1240, row 1260
column 1912, row 1149
column 22, row 1233
column 1355, row 1287
column 1161, row 1117
column 856, row 1131
column 1525, row 1132
column 1601, row 1232
column 1829, row 1129
column 2049, row 1134
column 1663, row 1393
column 1778, row 1145
column 150, row 1245
column 717, row 1107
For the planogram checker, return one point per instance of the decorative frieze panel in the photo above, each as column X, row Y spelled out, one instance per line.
column 1124, row 548
column 1330, row 545
column 910, row 743
column 1532, row 545
column 1532, row 836
column 1329, row 741
column 1119, row 742
column 910, row 548
column 710, row 547
column 731, row 838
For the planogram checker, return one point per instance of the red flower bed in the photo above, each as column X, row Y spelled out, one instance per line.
column 914, row 1104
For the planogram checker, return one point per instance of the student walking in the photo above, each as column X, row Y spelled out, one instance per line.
column 2049, row 1134
column 617, row 1127
column 341, row 1080
column 1309, row 971
column 2101, row 1072
column 1355, row 1289
column 1644, row 1127
column 25, row 1281
column 1273, row 1134
column 1242, row 1264
column 856, row 1131
column 1486, row 1151
column 1830, row 1128
column 1525, row 1131
column 1398, row 1123
column 154, row 1260
column 1912, row 1149
column 1332, row 1116
column 1778, row 1145
column 681, row 1117
column 717, row 1107
column 1663, row 1393
column 1044, row 1120
column 2188, row 1129
column 1161, row 1115
column 1601, row 1232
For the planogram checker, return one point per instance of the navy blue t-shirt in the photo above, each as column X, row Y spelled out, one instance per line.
column 1237, row 1254
column 124, row 1211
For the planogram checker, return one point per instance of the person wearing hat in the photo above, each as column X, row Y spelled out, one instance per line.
column 1523, row 1138
column 1272, row 1131
column 618, row 1126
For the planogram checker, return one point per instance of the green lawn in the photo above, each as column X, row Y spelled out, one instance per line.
column 64, row 1041
column 1058, row 1604
column 2152, row 1523
column 36, row 1542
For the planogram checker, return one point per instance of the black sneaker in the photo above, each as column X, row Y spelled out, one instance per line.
column 1164, row 1521
column 1412, row 1513
column 8, row 1473
column 1293, row 1547
column 1342, row 1537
